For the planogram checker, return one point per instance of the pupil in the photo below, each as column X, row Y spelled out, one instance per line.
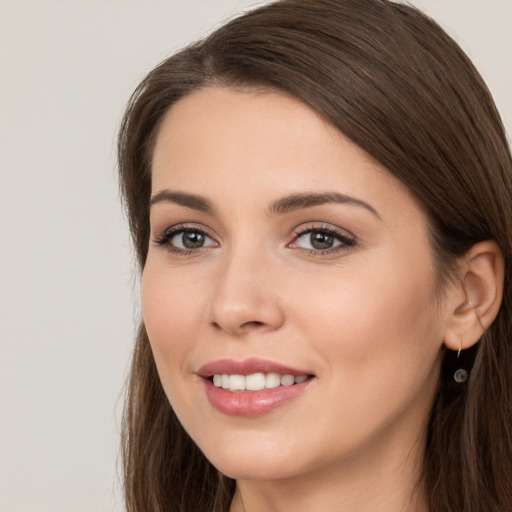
column 193, row 240
column 321, row 240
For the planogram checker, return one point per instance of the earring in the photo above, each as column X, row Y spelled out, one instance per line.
column 460, row 374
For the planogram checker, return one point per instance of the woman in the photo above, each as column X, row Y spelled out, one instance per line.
column 319, row 196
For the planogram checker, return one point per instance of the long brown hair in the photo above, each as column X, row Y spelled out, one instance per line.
column 395, row 83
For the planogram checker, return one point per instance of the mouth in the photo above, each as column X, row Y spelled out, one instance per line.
column 256, row 381
column 252, row 387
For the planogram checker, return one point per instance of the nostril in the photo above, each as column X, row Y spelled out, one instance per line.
column 252, row 324
column 246, row 326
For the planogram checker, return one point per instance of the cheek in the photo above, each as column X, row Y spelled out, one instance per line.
column 170, row 311
column 377, row 338
column 374, row 320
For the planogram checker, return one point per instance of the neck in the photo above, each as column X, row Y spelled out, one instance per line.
column 386, row 481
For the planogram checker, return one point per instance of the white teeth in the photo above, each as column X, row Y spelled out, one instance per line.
column 236, row 383
column 256, row 381
column 272, row 380
column 287, row 380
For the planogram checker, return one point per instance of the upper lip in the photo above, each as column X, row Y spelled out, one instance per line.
column 247, row 367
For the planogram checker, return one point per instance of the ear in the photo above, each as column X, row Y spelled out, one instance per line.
column 476, row 297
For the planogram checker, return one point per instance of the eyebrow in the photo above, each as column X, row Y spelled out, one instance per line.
column 287, row 204
column 192, row 201
column 295, row 202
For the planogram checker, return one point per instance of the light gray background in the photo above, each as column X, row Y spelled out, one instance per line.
column 67, row 299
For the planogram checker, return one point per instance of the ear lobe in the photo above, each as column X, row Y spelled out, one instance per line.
column 478, row 296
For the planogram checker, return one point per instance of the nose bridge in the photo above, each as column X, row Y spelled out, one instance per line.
column 244, row 297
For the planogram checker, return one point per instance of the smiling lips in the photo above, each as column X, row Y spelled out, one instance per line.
column 252, row 387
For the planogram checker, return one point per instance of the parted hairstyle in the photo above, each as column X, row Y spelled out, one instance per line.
column 390, row 79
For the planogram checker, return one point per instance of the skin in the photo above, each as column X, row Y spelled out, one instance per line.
column 365, row 318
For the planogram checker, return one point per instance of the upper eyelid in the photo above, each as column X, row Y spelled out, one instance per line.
column 345, row 238
column 186, row 226
column 168, row 233
column 307, row 228
column 301, row 230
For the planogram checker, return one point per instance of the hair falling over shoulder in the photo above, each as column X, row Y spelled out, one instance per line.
column 396, row 84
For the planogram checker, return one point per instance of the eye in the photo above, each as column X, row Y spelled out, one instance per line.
column 191, row 240
column 322, row 240
column 183, row 239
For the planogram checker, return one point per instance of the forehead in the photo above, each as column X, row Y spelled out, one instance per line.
column 227, row 121
column 265, row 142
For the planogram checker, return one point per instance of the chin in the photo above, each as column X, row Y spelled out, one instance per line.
column 264, row 458
column 242, row 458
column 241, row 468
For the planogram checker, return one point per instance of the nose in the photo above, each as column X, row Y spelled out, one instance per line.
column 245, row 296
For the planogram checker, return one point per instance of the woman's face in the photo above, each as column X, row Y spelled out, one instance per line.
column 279, row 248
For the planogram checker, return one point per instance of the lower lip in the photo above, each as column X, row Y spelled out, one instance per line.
column 252, row 403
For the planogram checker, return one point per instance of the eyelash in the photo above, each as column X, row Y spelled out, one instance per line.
column 168, row 235
column 346, row 241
